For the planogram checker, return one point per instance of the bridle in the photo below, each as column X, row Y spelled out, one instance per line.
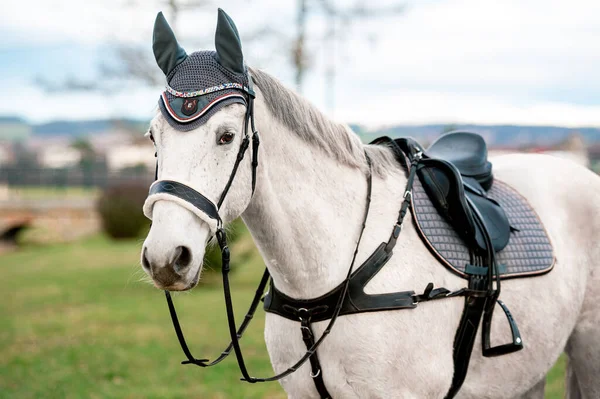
column 211, row 210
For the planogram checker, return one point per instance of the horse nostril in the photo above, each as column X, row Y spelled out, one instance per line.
column 183, row 258
column 145, row 263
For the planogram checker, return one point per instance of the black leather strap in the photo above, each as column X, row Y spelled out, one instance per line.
column 338, row 307
column 188, row 194
column 225, row 352
column 308, row 337
column 240, row 155
column 208, row 207
column 464, row 339
column 355, row 301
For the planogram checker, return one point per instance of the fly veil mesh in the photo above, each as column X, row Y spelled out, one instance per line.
column 200, row 71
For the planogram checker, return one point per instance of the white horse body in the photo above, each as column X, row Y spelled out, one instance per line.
column 305, row 218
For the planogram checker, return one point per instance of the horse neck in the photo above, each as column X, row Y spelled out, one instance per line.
column 306, row 213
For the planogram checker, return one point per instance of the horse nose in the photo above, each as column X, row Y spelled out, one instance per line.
column 170, row 268
column 182, row 259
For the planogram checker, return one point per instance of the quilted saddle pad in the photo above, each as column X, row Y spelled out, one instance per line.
column 529, row 251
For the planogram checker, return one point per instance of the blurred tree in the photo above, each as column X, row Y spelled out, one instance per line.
column 91, row 165
column 24, row 167
column 84, row 147
column 574, row 142
column 120, row 209
column 86, row 163
column 133, row 64
column 339, row 20
column 139, row 170
column 23, row 157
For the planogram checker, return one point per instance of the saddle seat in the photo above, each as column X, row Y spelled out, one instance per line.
column 456, row 175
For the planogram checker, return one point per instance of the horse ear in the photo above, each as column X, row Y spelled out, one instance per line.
column 228, row 44
column 167, row 51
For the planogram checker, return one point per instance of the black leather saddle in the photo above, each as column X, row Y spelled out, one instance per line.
column 456, row 175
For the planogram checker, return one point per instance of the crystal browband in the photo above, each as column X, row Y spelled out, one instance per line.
column 224, row 86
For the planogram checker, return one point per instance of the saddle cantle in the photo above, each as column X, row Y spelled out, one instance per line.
column 467, row 152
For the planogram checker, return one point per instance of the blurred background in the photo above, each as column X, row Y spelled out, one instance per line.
column 78, row 319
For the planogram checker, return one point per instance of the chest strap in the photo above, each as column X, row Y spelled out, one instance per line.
column 355, row 301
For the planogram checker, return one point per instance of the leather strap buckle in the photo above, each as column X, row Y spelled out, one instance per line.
column 303, row 314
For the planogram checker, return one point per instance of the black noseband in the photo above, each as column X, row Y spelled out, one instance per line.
column 188, row 194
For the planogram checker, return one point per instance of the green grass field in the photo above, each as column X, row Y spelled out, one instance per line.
column 42, row 192
column 76, row 322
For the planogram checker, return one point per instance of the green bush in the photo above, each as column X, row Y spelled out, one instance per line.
column 120, row 208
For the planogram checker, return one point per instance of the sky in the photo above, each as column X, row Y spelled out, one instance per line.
column 440, row 61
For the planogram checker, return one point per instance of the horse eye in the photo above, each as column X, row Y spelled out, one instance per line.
column 151, row 137
column 226, row 138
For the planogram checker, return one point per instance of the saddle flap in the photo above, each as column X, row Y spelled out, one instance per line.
column 446, row 190
column 494, row 218
column 443, row 185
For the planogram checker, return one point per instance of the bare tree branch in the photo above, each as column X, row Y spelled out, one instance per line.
column 336, row 17
column 130, row 64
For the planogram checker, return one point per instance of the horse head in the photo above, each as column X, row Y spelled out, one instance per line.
column 201, row 135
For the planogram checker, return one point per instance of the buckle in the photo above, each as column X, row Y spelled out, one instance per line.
column 397, row 230
column 221, row 237
column 303, row 314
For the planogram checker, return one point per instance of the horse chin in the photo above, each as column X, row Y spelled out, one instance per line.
column 181, row 285
column 194, row 281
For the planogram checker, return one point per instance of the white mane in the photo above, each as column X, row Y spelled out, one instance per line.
column 335, row 139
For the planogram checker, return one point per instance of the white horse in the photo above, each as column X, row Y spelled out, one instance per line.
column 305, row 217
